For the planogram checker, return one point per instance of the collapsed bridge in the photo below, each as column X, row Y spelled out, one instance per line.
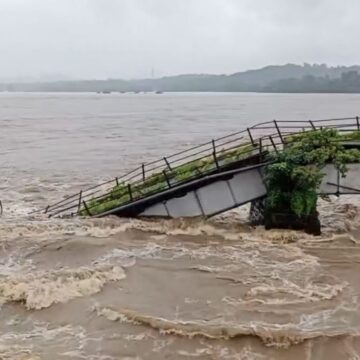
column 210, row 178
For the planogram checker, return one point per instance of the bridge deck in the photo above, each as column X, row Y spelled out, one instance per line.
column 207, row 179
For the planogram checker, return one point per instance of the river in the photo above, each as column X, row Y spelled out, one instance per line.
column 105, row 289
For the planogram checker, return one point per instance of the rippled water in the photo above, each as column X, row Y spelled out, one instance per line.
column 166, row 289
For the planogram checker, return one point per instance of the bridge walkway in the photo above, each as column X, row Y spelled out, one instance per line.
column 207, row 179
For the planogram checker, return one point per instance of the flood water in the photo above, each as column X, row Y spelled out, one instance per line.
column 104, row 289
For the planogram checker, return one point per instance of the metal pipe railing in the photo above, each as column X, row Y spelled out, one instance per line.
column 213, row 149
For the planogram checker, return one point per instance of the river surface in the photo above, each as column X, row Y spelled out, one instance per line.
column 104, row 289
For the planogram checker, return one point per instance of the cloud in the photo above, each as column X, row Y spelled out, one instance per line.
column 127, row 38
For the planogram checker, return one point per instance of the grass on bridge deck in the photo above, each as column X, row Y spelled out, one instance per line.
column 122, row 194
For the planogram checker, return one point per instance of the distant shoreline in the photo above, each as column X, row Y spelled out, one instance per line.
column 290, row 78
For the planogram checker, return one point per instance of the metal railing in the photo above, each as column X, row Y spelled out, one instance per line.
column 258, row 139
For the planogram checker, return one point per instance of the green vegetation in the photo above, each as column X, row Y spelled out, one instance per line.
column 292, row 180
column 120, row 194
column 353, row 135
column 341, row 136
column 346, row 82
column 295, row 175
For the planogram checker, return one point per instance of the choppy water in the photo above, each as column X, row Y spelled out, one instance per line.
column 167, row 289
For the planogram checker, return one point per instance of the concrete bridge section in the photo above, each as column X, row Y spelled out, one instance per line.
column 203, row 197
column 225, row 182
column 334, row 184
column 232, row 189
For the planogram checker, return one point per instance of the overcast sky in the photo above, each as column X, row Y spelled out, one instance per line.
column 127, row 38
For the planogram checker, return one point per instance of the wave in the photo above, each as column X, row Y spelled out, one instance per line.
column 41, row 289
column 288, row 294
column 276, row 335
column 28, row 342
column 338, row 216
column 17, row 352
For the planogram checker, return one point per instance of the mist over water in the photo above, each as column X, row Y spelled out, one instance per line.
column 162, row 289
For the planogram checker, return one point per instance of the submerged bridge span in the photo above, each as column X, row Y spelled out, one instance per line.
column 234, row 188
column 207, row 179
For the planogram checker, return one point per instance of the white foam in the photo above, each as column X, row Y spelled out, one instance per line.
column 41, row 289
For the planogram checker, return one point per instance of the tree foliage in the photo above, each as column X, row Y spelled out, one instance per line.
column 296, row 173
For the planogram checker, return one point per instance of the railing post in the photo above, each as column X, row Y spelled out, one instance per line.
column 1, row 208
column 279, row 132
column 130, row 192
column 117, row 181
column 312, row 125
column 167, row 163
column 357, row 123
column 80, row 198
column 143, row 171
column 250, row 136
column 273, row 143
column 167, row 178
column 86, row 208
column 214, row 154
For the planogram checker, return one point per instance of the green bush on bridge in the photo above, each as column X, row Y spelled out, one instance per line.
column 296, row 173
column 292, row 179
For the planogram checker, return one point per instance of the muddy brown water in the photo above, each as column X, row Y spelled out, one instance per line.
column 162, row 289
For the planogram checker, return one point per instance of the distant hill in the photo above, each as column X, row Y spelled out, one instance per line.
column 274, row 78
column 348, row 82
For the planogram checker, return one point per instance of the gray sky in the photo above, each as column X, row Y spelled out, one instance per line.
column 126, row 38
